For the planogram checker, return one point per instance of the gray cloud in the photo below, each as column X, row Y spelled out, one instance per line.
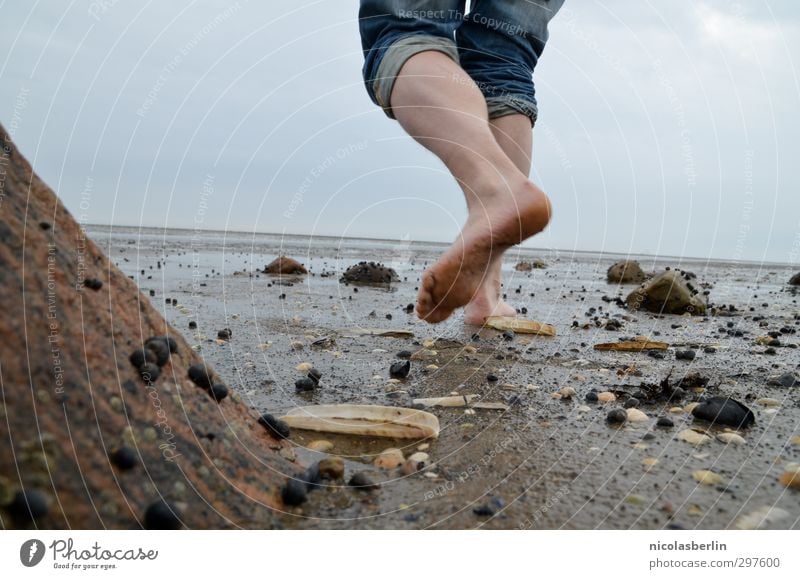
column 665, row 127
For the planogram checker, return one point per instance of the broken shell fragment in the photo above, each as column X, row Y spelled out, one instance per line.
column 390, row 458
column 636, row 415
column 447, row 401
column 490, row 406
column 693, row 437
column 606, row 397
column 707, row 477
column 730, row 438
column 790, row 479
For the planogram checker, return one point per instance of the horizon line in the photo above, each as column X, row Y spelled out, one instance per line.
column 445, row 243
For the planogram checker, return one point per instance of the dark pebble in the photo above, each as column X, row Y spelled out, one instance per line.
column 362, row 481
column 124, row 458
column 141, row 357
column 685, row 354
column 710, row 350
column 192, row 325
column 160, row 347
column 201, row 375
column 305, row 385
column 276, row 427
column 93, row 284
column 508, row 335
column 491, row 378
column 631, row 402
column 665, row 422
column 312, row 477
column 515, row 400
column 294, row 492
column 28, row 505
column 315, row 375
column 130, row 386
column 677, row 393
column 617, row 416
column 657, row 354
column 405, row 354
column 400, row 369
column 152, row 293
column 591, row 396
column 409, row 308
column 726, row 411
column 484, row 511
column 162, row 516
column 225, row 334
column 149, row 372
column 770, row 351
column 172, row 344
column 218, row 392
column 786, row 380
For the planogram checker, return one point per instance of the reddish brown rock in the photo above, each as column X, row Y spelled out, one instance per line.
column 71, row 397
column 530, row 265
column 285, row 266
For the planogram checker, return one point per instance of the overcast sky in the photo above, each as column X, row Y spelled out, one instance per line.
column 665, row 127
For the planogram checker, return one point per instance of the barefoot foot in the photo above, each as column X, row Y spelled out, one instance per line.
column 495, row 223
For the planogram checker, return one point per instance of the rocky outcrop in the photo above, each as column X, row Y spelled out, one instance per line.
column 795, row 279
column 626, row 272
column 369, row 273
column 99, row 427
column 667, row 293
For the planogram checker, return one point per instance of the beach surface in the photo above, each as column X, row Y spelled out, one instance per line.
column 545, row 460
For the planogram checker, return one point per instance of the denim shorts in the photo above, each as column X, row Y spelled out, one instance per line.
column 497, row 43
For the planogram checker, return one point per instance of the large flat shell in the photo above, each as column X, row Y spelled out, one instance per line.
column 364, row 420
column 519, row 325
column 633, row 346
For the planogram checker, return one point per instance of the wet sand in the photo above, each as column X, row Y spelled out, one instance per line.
column 545, row 463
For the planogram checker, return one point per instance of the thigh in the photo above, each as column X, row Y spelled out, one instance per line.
column 392, row 31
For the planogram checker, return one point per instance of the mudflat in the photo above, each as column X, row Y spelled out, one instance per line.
column 552, row 433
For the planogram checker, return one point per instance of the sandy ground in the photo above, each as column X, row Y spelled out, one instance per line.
column 545, row 463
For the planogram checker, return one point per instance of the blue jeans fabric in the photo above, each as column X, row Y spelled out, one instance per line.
column 497, row 43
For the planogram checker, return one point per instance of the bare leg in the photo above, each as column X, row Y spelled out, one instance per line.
column 438, row 104
column 513, row 134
